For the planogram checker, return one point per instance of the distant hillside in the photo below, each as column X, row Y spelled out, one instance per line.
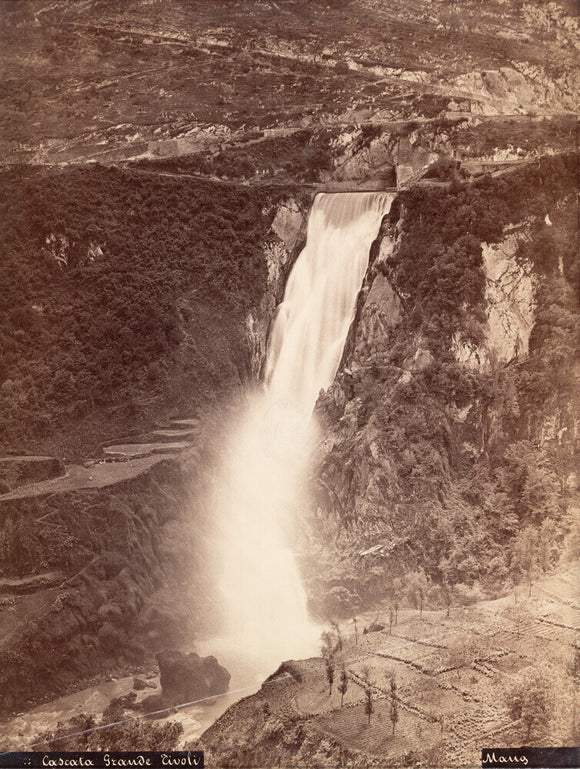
column 122, row 80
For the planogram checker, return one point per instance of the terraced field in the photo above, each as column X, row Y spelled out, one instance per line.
column 452, row 675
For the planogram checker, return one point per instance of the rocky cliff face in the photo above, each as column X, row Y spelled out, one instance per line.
column 509, row 298
column 413, row 419
column 451, row 144
column 287, row 236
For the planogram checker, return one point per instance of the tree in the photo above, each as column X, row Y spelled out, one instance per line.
column 367, row 685
column 336, row 628
column 525, row 554
column 355, row 623
column 463, row 652
column 394, row 710
column 531, row 482
column 447, row 589
column 519, row 615
column 531, row 700
column 391, row 619
column 417, row 588
column 369, row 706
column 328, row 655
column 514, row 581
column 329, row 663
column 343, row 685
column 572, row 542
column 396, row 591
column 113, row 731
column 449, row 580
column 451, row 19
column 546, row 539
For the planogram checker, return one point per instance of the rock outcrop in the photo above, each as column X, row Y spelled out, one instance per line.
column 510, row 301
column 189, row 677
column 288, row 231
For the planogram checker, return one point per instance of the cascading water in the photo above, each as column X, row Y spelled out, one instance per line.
column 265, row 607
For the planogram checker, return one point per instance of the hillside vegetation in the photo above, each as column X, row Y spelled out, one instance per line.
column 124, row 297
column 449, row 469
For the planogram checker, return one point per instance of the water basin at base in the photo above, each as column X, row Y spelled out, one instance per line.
column 20, row 732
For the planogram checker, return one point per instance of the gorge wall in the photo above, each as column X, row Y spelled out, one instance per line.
column 450, row 424
column 97, row 579
column 175, row 266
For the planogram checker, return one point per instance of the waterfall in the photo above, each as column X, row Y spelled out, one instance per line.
column 266, row 462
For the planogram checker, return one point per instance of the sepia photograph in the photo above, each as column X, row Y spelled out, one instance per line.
column 289, row 383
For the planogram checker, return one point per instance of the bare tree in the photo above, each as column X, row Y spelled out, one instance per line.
column 343, row 685
column 327, row 650
column 369, row 705
column 339, row 642
column 394, row 710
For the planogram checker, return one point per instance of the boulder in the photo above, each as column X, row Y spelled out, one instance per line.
column 154, row 704
column 189, row 677
column 287, row 223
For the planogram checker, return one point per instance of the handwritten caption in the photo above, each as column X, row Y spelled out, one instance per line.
column 103, row 760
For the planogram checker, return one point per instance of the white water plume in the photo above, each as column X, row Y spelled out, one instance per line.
column 265, row 466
